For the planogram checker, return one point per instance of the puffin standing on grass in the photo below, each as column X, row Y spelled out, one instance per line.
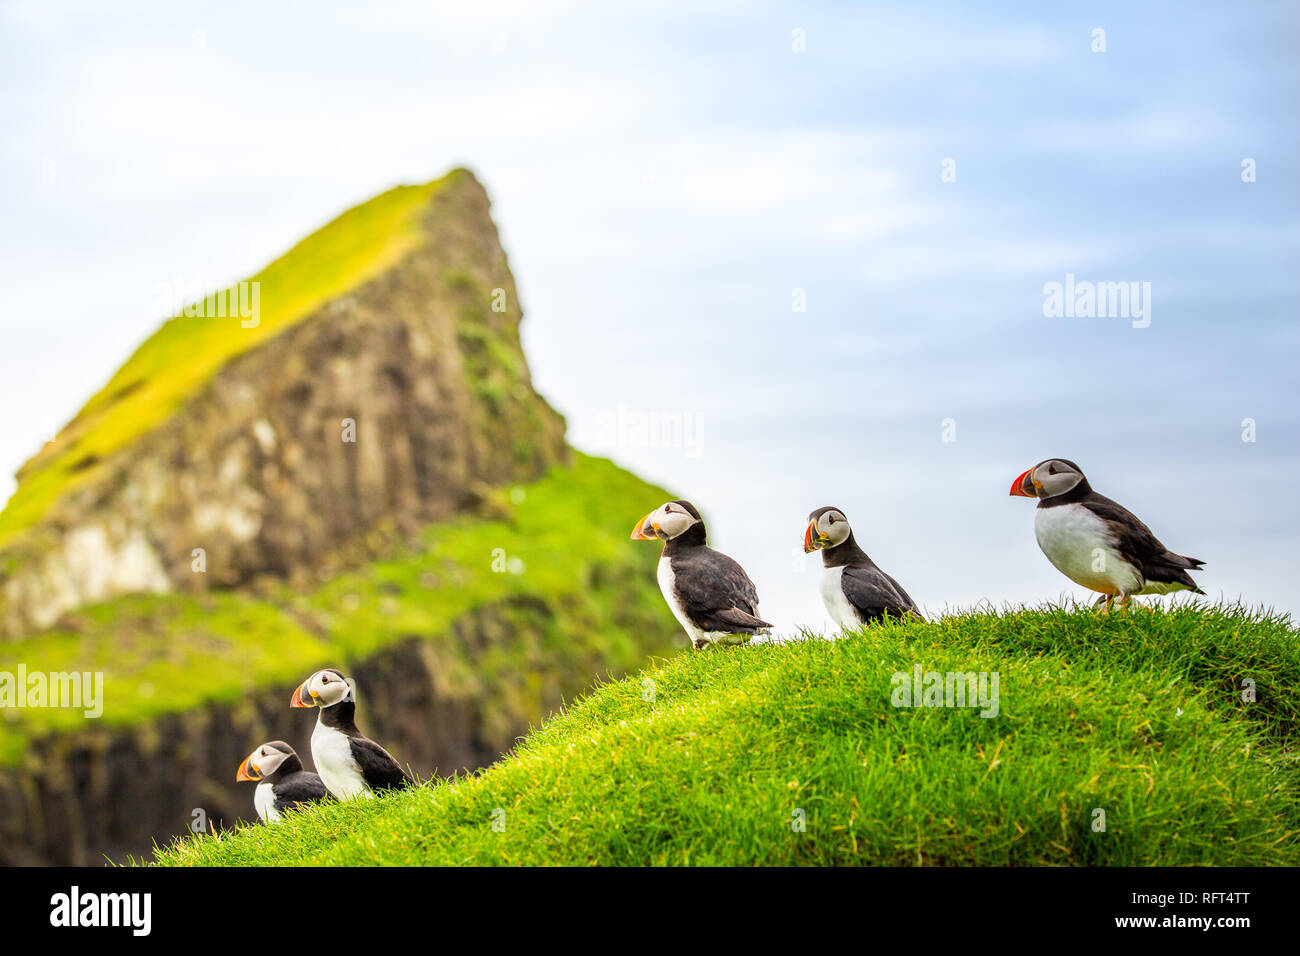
column 281, row 782
column 1097, row 542
column 854, row 589
column 710, row 594
column 350, row 764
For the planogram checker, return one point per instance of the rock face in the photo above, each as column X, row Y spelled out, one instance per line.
column 397, row 402
column 331, row 446
column 107, row 792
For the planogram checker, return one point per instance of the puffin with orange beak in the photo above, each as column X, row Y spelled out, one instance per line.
column 710, row 594
column 854, row 590
column 350, row 764
column 1097, row 542
column 281, row 782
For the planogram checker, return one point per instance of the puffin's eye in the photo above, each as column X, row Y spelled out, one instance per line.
column 324, row 678
column 830, row 519
column 1051, row 469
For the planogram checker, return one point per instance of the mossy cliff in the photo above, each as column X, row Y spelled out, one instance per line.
column 253, row 460
column 206, row 531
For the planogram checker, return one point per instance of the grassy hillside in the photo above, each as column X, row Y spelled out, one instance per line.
column 165, row 654
column 178, row 359
column 708, row 758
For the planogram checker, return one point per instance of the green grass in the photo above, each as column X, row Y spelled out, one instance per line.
column 595, row 597
column 178, row 359
column 1139, row 715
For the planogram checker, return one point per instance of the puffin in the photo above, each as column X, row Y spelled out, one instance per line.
column 710, row 594
column 350, row 764
column 854, row 589
column 281, row 782
column 1097, row 542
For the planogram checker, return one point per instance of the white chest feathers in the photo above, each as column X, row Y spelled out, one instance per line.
column 838, row 607
column 264, row 803
column 1081, row 547
column 332, row 753
column 667, row 587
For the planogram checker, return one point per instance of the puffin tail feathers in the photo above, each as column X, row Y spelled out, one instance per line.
column 743, row 620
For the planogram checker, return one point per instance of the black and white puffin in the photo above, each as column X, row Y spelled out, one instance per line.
column 1097, row 542
column 710, row 594
column 281, row 782
column 350, row 764
column 854, row 589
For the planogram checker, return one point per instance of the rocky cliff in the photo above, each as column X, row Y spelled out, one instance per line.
column 360, row 476
column 401, row 398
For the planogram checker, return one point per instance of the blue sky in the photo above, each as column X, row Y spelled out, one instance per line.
column 666, row 177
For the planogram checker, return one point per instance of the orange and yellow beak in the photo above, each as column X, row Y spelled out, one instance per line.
column 243, row 773
column 811, row 533
column 638, row 533
column 1023, row 487
column 298, row 700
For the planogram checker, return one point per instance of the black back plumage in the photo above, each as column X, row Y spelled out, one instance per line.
column 715, row 592
column 297, row 788
column 875, row 594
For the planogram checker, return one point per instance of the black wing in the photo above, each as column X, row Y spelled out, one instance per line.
column 1139, row 546
column 716, row 593
column 299, row 788
column 875, row 594
column 378, row 768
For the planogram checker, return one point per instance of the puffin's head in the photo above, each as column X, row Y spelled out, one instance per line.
column 670, row 520
column 1047, row 479
column 827, row 527
column 322, row 689
column 265, row 760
